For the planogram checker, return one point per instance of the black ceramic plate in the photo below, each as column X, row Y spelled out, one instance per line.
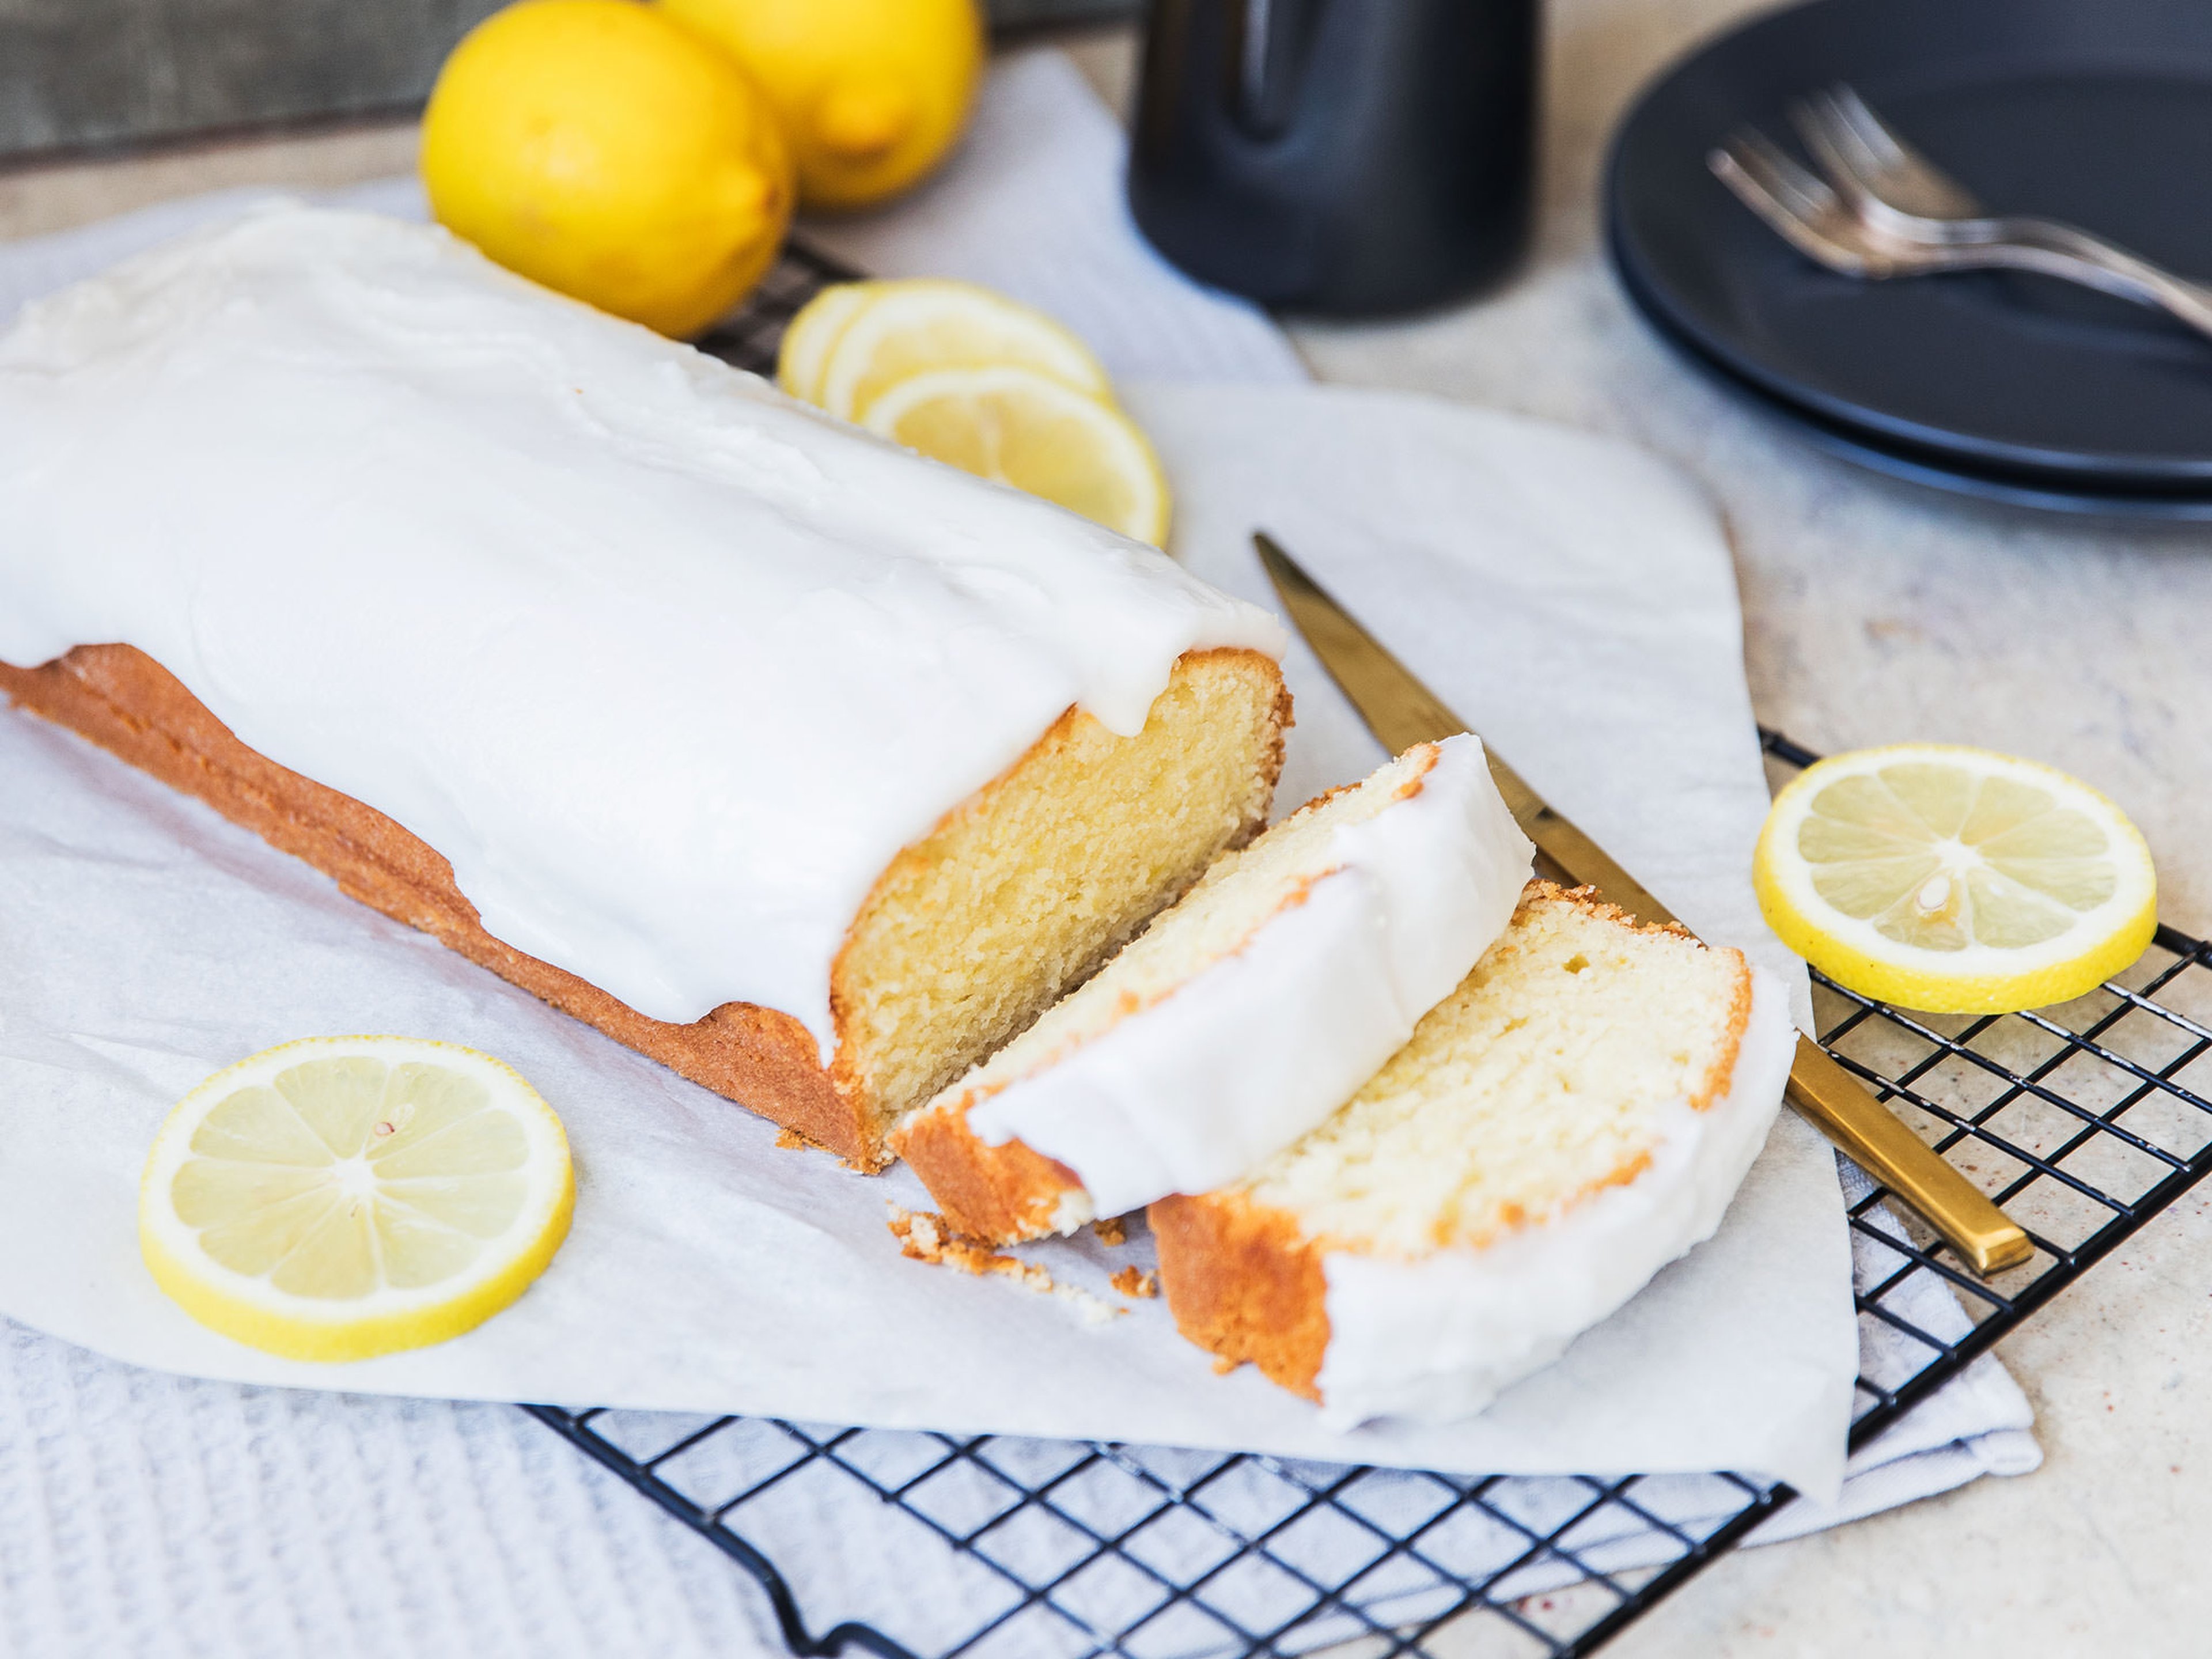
column 2098, row 112
column 2039, row 492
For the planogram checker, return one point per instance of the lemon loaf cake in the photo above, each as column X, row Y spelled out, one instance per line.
column 1242, row 1016
column 811, row 769
column 1572, row 1117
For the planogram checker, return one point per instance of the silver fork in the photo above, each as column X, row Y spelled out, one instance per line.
column 1899, row 193
column 1800, row 207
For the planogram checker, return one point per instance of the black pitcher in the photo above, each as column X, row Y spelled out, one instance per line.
column 1349, row 156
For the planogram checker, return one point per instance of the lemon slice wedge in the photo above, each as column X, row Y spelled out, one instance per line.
column 901, row 328
column 341, row 1197
column 1954, row 880
column 811, row 334
column 1026, row 429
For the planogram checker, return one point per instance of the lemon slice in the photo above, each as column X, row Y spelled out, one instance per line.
column 341, row 1197
column 809, row 337
column 1954, row 880
column 909, row 328
column 1027, row 430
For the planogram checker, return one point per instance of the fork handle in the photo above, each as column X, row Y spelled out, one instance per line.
column 2059, row 250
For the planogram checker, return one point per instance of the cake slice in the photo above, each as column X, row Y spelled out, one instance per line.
column 1242, row 1018
column 1574, row 1115
column 810, row 768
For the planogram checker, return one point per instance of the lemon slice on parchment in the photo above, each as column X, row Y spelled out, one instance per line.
column 341, row 1197
column 901, row 329
column 811, row 334
column 1954, row 880
column 1026, row 429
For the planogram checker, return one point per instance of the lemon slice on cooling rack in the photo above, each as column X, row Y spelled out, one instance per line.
column 1954, row 880
column 341, row 1197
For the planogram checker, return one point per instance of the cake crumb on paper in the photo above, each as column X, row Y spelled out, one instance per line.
column 1134, row 1280
column 923, row 1236
column 1111, row 1229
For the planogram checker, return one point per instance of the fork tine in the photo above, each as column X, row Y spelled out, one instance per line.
column 1803, row 191
column 1929, row 190
column 1738, row 164
column 1836, row 144
column 1854, row 116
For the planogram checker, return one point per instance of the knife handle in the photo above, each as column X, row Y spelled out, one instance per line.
column 1874, row 1139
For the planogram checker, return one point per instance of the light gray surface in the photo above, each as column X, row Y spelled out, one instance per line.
column 1874, row 611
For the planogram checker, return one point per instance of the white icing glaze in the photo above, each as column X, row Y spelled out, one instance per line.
column 1439, row 1338
column 1258, row 1046
column 668, row 666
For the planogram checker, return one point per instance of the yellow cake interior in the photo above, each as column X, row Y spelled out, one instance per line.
column 1237, row 897
column 1023, row 893
column 1543, row 1079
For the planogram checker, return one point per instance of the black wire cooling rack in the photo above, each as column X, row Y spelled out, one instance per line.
column 2082, row 1122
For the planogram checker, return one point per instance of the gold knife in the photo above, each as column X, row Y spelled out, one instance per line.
column 1401, row 711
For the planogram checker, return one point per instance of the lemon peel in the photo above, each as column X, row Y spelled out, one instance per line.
column 812, row 333
column 605, row 151
column 872, row 94
column 1017, row 426
column 901, row 328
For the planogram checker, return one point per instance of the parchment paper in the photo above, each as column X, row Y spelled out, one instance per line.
column 1570, row 598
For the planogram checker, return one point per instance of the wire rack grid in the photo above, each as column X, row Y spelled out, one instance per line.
column 2083, row 1122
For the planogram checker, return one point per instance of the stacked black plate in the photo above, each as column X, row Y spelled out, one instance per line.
column 2019, row 388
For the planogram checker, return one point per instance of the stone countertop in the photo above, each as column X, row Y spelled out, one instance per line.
column 1874, row 611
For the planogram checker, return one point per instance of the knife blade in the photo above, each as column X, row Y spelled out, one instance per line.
column 1401, row 711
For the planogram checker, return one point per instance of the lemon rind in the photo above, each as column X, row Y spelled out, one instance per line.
column 800, row 360
column 1070, row 361
column 2103, row 943
column 1149, row 524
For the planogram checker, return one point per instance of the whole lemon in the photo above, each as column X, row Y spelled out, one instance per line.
column 872, row 93
column 597, row 148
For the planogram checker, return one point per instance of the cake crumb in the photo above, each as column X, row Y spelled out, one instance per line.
column 1111, row 1229
column 795, row 1140
column 1134, row 1280
column 1223, row 1364
column 923, row 1236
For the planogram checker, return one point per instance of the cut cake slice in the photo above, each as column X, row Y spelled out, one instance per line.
column 1577, row 1113
column 1242, row 1018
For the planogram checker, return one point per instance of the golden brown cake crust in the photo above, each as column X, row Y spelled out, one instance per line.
column 1004, row 1194
column 1245, row 1281
column 126, row 702
column 1245, row 1284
